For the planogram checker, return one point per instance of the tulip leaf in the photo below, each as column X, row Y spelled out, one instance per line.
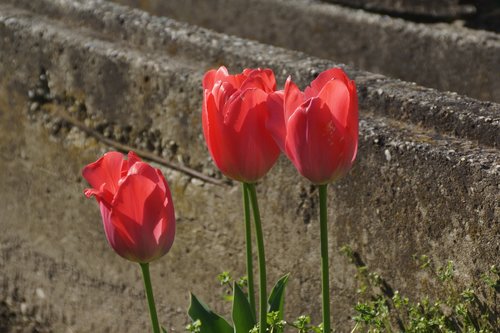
column 243, row 314
column 210, row 321
column 276, row 299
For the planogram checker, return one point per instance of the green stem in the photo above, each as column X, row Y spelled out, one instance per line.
column 262, row 259
column 248, row 237
column 150, row 297
column 325, row 278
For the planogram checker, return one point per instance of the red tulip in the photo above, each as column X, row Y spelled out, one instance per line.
column 136, row 206
column 317, row 128
column 234, row 120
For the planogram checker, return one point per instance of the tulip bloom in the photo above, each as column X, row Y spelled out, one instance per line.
column 136, row 206
column 317, row 128
column 234, row 117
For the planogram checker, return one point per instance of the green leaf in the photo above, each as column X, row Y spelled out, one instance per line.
column 243, row 314
column 210, row 321
column 163, row 330
column 276, row 299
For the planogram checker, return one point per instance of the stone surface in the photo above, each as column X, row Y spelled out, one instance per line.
column 426, row 180
column 442, row 56
column 443, row 9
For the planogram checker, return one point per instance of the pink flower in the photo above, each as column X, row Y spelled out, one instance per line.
column 234, row 120
column 136, row 206
column 317, row 128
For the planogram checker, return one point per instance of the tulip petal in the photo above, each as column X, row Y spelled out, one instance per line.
column 256, row 149
column 168, row 222
column 89, row 192
column 221, row 74
column 144, row 169
column 207, row 99
column 131, row 195
column 159, row 230
column 342, row 101
column 276, row 118
column 162, row 183
column 324, row 77
column 314, row 142
column 137, row 211
column 133, row 158
column 105, row 171
column 268, row 76
column 234, row 80
column 241, row 106
column 120, row 240
column 209, row 79
column 100, row 194
column 155, row 214
column 353, row 120
column 259, row 78
column 336, row 95
column 215, row 134
column 247, row 149
column 248, row 71
column 238, row 80
column 222, row 91
column 153, row 174
column 293, row 98
column 110, row 230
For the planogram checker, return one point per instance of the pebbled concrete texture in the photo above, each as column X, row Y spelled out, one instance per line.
column 426, row 180
column 444, row 9
column 434, row 55
column 178, row 43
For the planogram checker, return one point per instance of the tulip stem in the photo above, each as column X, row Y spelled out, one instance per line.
column 262, row 259
column 325, row 278
column 150, row 297
column 248, row 237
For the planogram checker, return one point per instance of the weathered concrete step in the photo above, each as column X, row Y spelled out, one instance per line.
column 443, row 112
column 121, row 63
column 188, row 77
column 443, row 9
column 75, row 41
column 415, row 189
column 433, row 55
column 86, row 33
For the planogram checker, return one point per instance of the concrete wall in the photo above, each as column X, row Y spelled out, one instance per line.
column 423, row 9
column 426, row 180
column 442, row 56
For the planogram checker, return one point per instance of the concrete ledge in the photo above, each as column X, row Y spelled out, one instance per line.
column 417, row 187
column 180, row 43
column 443, row 9
column 433, row 55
